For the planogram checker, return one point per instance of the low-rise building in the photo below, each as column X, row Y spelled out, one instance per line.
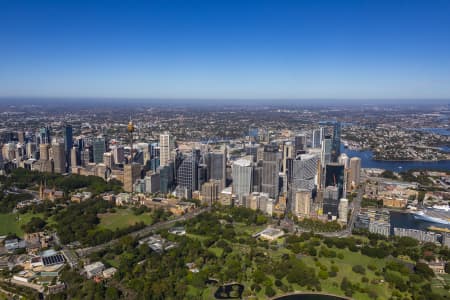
column 157, row 243
column 437, row 266
column 177, row 230
column 14, row 244
column 109, row 273
column 80, row 197
column 395, row 202
column 420, row 235
column 94, row 269
column 270, row 234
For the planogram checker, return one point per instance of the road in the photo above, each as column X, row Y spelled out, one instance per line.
column 355, row 206
column 141, row 233
column 35, row 194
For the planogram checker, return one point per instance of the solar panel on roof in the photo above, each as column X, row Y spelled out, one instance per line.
column 53, row 260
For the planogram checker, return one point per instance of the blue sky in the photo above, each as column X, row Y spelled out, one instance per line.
column 225, row 49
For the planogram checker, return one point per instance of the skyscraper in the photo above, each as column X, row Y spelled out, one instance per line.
column 44, row 152
column 210, row 192
column 59, row 158
column 344, row 160
column 257, row 176
column 8, row 151
column 336, row 139
column 302, row 203
column 166, row 178
column 166, row 146
column 154, row 150
column 108, row 159
column 21, row 137
column 44, row 135
column 98, row 147
column 131, row 172
column 118, row 154
column 270, row 168
column 316, row 138
column 343, row 210
column 331, row 201
column 355, row 171
column 187, row 174
column 327, row 145
column 216, row 164
column 242, row 173
column 68, row 143
column 299, row 144
column 288, row 152
column 152, row 183
column 74, row 157
column 31, row 150
column 334, row 176
column 301, row 175
column 86, row 156
column 202, row 175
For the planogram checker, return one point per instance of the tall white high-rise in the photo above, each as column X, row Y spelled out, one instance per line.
column 323, row 132
column 166, row 145
column 343, row 210
column 343, row 160
column 242, row 172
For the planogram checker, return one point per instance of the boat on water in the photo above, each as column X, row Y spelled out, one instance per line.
column 441, row 207
column 433, row 215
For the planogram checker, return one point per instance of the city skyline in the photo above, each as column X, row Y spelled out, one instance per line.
column 289, row 50
column 174, row 195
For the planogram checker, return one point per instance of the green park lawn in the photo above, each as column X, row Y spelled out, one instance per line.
column 122, row 218
column 330, row 285
column 438, row 283
column 9, row 223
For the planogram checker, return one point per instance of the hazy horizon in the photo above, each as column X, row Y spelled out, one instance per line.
column 116, row 101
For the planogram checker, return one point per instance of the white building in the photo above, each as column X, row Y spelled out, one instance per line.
column 242, row 172
column 343, row 210
column 94, row 269
column 271, row 234
column 166, row 145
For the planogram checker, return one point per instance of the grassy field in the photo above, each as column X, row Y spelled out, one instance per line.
column 11, row 223
column 439, row 282
column 122, row 218
column 330, row 285
column 345, row 265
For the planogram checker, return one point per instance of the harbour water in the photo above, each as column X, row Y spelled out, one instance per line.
column 398, row 219
column 406, row 220
column 395, row 166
